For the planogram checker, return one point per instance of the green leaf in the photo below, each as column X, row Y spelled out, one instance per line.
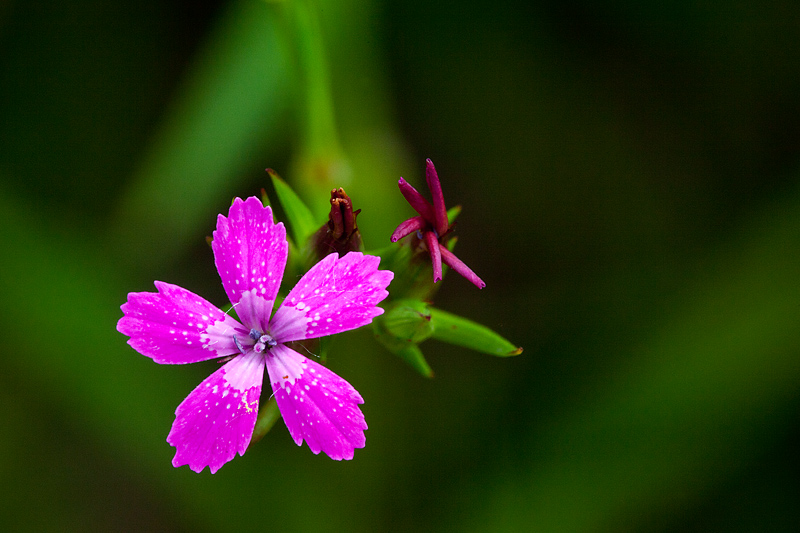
column 406, row 350
column 409, row 320
column 268, row 414
column 457, row 330
column 412, row 355
column 300, row 218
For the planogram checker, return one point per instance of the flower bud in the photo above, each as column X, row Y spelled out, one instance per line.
column 340, row 234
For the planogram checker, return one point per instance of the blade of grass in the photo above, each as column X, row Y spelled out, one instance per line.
column 230, row 103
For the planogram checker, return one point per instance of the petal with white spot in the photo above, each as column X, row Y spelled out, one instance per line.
column 250, row 252
column 317, row 405
column 335, row 295
column 217, row 419
column 176, row 326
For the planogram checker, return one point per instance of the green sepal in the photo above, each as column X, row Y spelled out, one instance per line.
column 409, row 320
column 413, row 276
column 298, row 214
column 453, row 213
column 268, row 414
column 412, row 355
column 394, row 257
column 460, row 331
column 406, row 350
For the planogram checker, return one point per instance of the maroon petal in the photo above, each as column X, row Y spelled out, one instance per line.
column 439, row 210
column 436, row 258
column 408, row 227
column 456, row 264
column 417, row 201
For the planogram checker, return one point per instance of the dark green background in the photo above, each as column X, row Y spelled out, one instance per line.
column 629, row 177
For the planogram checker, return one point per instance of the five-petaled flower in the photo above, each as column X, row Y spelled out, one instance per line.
column 175, row 326
column 432, row 226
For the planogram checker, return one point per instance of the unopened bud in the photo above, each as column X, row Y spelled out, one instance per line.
column 340, row 234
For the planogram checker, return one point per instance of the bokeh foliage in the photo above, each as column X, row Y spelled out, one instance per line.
column 629, row 177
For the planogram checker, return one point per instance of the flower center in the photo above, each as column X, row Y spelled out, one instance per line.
column 264, row 341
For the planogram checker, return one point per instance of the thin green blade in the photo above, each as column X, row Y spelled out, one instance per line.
column 457, row 330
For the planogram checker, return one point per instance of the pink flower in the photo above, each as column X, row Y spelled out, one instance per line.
column 175, row 326
column 432, row 226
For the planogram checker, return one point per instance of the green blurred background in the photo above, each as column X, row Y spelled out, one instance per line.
column 631, row 190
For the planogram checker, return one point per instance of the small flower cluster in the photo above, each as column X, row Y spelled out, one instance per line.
column 339, row 292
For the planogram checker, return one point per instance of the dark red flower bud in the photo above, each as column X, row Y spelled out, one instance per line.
column 340, row 234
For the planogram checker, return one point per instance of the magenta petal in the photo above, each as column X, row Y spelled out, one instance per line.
column 408, row 227
column 439, row 210
column 317, row 405
column 417, row 201
column 217, row 419
column 175, row 326
column 458, row 265
column 436, row 259
column 250, row 252
column 335, row 295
